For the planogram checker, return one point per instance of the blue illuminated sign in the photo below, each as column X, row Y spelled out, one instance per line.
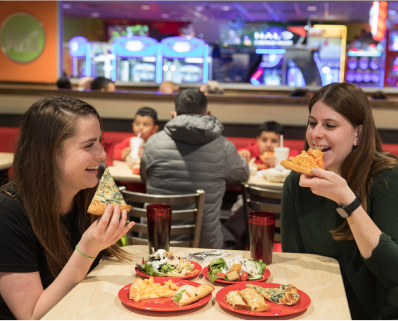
column 182, row 47
column 77, row 46
column 135, row 46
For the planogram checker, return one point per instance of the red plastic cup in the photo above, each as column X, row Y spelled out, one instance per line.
column 159, row 226
column 262, row 230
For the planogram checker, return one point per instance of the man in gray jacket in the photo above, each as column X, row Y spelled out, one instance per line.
column 191, row 154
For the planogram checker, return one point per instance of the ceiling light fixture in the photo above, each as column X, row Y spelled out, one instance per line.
column 199, row 8
column 145, row 7
column 95, row 14
column 312, row 8
column 66, row 6
column 165, row 15
column 225, row 8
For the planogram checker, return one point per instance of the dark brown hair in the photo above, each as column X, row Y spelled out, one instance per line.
column 365, row 160
column 44, row 127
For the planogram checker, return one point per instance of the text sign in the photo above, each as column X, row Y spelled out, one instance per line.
column 22, row 37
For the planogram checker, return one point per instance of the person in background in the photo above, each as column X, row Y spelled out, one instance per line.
column 63, row 83
column 348, row 211
column 212, row 87
column 191, row 154
column 48, row 241
column 85, row 83
column 379, row 95
column 146, row 123
column 269, row 137
column 168, row 87
column 103, row 84
column 299, row 92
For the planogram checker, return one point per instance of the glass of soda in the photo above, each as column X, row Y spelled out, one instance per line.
column 159, row 226
column 262, row 229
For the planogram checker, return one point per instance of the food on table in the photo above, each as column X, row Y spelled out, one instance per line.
column 107, row 193
column 283, row 294
column 236, row 269
column 188, row 294
column 147, row 289
column 304, row 162
column 275, row 175
column 162, row 263
column 264, row 156
column 254, row 300
column 234, row 299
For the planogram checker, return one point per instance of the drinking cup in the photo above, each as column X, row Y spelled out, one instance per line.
column 135, row 144
column 159, row 226
column 261, row 230
column 281, row 153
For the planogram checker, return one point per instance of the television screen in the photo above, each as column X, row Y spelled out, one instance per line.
column 116, row 31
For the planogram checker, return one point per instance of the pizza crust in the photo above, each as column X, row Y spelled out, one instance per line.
column 98, row 208
column 289, row 165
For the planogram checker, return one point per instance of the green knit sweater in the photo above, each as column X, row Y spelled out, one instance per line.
column 371, row 284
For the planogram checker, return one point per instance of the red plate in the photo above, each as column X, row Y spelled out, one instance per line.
column 274, row 310
column 198, row 267
column 266, row 275
column 161, row 304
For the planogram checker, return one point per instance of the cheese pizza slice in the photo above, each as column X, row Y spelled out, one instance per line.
column 303, row 163
column 283, row 294
column 107, row 193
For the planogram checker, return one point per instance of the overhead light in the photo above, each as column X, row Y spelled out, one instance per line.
column 145, row 7
column 306, row 27
column 392, row 12
column 95, row 14
column 225, row 8
column 165, row 15
column 66, row 6
column 312, row 8
column 199, row 8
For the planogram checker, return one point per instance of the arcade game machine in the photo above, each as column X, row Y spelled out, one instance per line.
column 77, row 50
column 99, row 59
column 186, row 60
column 281, row 62
column 391, row 66
column 136, row 59
column 329, row 45
column 365, row 66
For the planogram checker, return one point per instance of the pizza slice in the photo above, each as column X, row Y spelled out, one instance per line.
column 283, row 294
column 303, row 163
column 107, row 193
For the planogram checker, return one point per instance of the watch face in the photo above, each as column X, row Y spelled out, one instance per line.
column 342, row 212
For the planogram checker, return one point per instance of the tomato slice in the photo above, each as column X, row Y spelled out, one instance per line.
column 220, row 274
column 244, row 276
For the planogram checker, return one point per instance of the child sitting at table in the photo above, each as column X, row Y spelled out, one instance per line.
column 269, row 137
column 146, row 123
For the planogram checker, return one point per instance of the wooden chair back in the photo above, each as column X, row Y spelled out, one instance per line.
column 261, row 199
column 196, row 214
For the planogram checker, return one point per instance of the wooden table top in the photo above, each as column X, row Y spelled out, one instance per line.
column 121, row 172
column 6, row 160
column 96, row 297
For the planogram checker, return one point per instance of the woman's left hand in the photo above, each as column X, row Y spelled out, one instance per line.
column 329, row 185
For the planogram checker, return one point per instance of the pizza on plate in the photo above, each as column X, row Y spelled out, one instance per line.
column 303, row 163
column 283, row 294
column 107, row 193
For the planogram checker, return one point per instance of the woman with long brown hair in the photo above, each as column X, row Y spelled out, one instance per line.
column 48, row 241
column 350, row 210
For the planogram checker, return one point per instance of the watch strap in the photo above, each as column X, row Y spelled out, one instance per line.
column 353, row 206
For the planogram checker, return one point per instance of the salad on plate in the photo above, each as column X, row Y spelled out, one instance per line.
column 236, row 269
column 163, row 263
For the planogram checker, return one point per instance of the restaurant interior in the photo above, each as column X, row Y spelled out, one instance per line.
column 255, row 62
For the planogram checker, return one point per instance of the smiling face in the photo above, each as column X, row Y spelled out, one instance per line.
column 267, row 141
column 79, row 156
column 333, row 133
column 144, row 125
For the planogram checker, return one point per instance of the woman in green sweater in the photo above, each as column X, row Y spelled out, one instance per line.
column 350, row 210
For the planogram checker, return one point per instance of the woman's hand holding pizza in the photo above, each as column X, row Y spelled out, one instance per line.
column 329, row 185
column 105, row 231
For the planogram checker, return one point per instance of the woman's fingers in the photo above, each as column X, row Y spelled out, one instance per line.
column 123, row 232
column 104, row 219
column 120, row 227
column 114, row 222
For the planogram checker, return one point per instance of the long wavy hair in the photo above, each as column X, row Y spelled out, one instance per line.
column 44, row 127
column 365, row 160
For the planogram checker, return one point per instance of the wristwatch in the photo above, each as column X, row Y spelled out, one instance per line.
column 346, row 211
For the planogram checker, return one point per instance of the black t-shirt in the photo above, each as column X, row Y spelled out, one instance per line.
column 20, row 250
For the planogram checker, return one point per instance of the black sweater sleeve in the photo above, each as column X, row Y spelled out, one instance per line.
column 290, row 231
column 18, row 244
